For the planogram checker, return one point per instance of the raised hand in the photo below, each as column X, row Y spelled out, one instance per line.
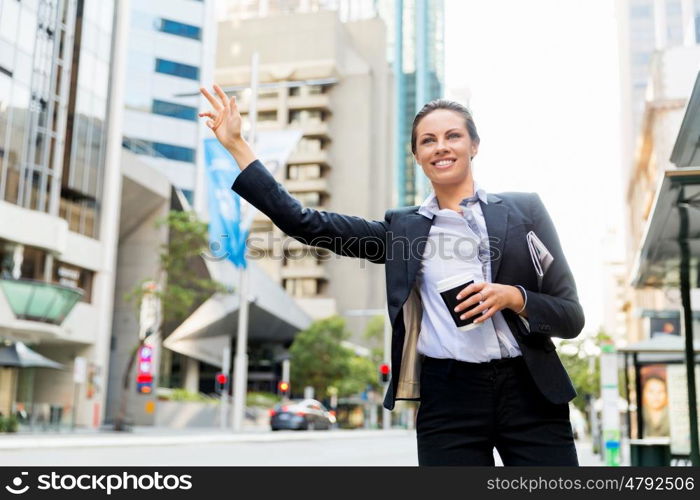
column 226, row 123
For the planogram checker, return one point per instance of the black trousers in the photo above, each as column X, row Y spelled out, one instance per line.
column 467, row 409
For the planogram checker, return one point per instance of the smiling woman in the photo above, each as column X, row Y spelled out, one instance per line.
column 498, row 383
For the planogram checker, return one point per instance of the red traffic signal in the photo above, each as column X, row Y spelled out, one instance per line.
column 221, row 380
column 384, row 371
column 283, row 387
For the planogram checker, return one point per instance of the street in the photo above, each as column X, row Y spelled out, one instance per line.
column 335, row 448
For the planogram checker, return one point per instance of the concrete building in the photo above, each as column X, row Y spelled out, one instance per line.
column 656, row 38
column 327, row 79
column 58, row 203
column 672, row 76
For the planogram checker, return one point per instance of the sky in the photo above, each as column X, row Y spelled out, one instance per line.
column 543, row 84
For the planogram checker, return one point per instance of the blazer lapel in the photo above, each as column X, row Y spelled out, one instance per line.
column 417, row 231
column 496, row 217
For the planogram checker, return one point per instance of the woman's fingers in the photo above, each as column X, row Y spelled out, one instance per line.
column 212, row 100
column 473, row 288
column 486, row 315
column 476, row 310
column 470, row 301
column 233, row 104
column 208, row 114
column 222, row 95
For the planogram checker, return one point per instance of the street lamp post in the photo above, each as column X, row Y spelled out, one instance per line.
column 240, row 377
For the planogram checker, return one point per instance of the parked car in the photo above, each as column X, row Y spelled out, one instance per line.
column 301, row 414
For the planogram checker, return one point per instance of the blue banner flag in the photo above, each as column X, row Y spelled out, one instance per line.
column 227, row 239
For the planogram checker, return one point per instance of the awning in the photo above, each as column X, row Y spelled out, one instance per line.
column 658, row 262
column 686, row 151
column 659, row 349
column 40, row 301
column 661, row 344
column 21, row 356
column 273, row 315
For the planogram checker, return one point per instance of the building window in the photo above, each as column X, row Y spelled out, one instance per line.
column 174, row 110
column 267, row 94
column 177, row 69
column 267, row 116
column 299, row 258
column 75, row 277
column 303, row 172
column 158, row 149
column 306, row 116
column 33, row 263
column 180, row 29
column 174, row 152
column 302, row 287
column 294, row 91
column 311, row 199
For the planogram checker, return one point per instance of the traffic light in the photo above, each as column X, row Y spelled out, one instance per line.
column 221, row 383
column 283, row 388
column 384, row 372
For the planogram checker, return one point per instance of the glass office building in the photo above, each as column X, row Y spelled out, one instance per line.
column 56, row 208
column 54, row 66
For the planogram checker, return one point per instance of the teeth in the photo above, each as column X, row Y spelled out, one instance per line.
column 442, row 163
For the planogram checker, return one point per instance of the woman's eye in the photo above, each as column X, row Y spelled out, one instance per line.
column 427, row 140
column 453, row 135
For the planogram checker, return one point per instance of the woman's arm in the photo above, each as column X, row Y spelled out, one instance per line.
column 345, row 235
column 555, row 311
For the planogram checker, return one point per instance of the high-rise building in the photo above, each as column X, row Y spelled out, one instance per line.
column 416, row 44
column 168, row 59
column 57, row 209
column 646, row 26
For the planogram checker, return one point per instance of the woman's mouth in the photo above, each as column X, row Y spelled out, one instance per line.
column 442, row 164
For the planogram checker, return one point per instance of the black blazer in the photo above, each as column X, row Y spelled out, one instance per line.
column 398, row 242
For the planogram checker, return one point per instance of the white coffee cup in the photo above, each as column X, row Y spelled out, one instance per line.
column 454, row 285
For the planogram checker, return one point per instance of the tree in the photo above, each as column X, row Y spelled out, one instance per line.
column 580, row 357
column 319, row 359
column 374, row 336
column 185, row 290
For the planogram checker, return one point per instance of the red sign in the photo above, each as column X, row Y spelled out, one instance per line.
column 144, row 373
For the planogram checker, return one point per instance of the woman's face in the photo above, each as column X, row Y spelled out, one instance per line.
column 443, row 147
column 654, row 394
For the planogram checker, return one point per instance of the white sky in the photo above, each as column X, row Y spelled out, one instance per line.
column 543, row 80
